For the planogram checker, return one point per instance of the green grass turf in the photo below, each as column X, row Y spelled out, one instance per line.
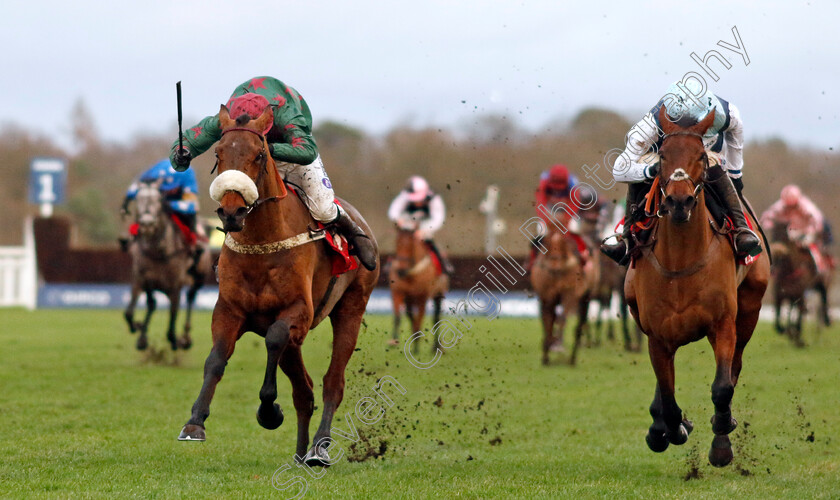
column 82, row 414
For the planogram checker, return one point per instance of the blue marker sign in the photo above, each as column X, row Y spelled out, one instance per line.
column 47, row 181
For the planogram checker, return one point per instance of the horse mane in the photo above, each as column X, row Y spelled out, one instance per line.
column 242, row 119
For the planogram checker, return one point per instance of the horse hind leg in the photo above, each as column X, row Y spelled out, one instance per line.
column 269, row 414
column 346, row 319
column 291, row 362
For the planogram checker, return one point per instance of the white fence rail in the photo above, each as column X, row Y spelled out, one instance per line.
column 18, row 274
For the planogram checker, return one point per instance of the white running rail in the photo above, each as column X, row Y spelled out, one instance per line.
column 18, row 273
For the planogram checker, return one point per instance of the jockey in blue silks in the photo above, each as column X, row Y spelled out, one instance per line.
column 180, row 194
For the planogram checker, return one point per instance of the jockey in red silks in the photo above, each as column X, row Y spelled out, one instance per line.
column 291, row 144
column 802, row 217
column 418, row 206
column 556, row 185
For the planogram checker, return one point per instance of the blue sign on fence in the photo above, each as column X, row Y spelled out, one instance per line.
column 47, row 180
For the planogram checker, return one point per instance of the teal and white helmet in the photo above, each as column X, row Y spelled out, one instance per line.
column 682, row 106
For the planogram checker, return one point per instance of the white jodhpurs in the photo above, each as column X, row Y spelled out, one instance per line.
column 318, row 194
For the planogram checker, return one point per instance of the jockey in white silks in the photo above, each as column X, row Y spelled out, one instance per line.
column 686, row 103
column 417, row 206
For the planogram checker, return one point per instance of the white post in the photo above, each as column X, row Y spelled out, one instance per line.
column 29, row 273
column 489, row 207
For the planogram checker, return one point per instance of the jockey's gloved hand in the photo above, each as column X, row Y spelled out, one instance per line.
column 182, row 159
column 651, row 171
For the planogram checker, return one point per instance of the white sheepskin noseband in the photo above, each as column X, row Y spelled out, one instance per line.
column 234, row 180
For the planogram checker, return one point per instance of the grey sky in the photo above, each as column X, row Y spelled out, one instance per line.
column 374, row 64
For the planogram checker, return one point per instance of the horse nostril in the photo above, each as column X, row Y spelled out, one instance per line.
column 220, row 212
column 241, row 212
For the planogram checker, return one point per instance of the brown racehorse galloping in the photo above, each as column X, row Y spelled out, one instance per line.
column 276, row 282
column 794, row 273
column 414, row 280
column 689, row 287
column 559, row 279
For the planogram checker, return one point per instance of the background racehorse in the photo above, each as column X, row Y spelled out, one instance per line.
column 688, row 287
column 414, row 280
column 610, row 281
column 559, row 278
column 611, row 284
column 160, row 261
column 794, row 273
column 276, row 281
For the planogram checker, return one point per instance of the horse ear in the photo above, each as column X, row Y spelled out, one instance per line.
column 265, row 120
column 665, row 123
column 224, row 117
column 705, row 123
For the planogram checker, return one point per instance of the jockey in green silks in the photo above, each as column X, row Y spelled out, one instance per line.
column 291, row 144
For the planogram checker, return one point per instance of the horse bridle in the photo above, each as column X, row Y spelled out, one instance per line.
column 680, row 175
column 264, row 170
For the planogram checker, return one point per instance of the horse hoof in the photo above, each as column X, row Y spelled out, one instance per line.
column 681, row 436
column 192, row 432
column 658, row 443
column 184, row 344
column 721, row 428
column 720, row 455
column 317, row 457
column 270, row 417
column 142, row 344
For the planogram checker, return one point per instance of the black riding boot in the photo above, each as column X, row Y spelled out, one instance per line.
column 360, row 243
column 444, row 262
column 620, row 251
column 746, row 242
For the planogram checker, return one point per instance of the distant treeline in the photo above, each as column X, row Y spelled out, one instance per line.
column 370, row 170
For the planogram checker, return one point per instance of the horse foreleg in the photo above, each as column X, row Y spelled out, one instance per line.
column 723, row 342
column 822, row 288
column 548, row 318
column 185, row 342
column 437, row 303
column 225, row 333
column 582, row 324
column 778, row 307
column 346, row 319
column 669, row 426
column 151, row 305
column 398, row 301
column 304, row 399
column 174, row 305
column 269, row 414
column 129, row 310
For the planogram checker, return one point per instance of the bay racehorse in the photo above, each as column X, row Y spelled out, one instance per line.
column 688, row 286
column 276, row 280
column 611, row 285
column 560, row 279
column 794, row 273
column 414, row 280
column 161, row 261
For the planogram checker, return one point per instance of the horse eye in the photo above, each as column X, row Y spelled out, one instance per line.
column 260, row 156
